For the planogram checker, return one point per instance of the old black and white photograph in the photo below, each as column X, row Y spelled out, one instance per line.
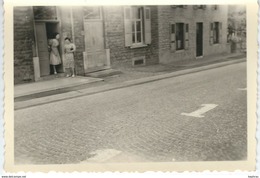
column 130, row 84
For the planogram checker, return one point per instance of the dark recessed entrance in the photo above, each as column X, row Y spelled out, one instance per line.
column 199, row 39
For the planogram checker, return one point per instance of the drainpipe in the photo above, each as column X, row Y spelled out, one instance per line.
column 72, row 25
column 73, row 35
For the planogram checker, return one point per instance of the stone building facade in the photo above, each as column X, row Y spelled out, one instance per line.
column 116, row 36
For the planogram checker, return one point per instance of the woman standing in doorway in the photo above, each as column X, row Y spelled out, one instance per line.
column 54, row 52
column 69, row 48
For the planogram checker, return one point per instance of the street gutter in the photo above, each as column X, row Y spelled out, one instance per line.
column 109, row 87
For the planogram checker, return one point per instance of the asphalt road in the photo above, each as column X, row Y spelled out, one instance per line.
column 160, row 121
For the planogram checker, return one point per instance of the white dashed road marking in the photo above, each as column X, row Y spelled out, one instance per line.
column 102, row 155
column 201, row 111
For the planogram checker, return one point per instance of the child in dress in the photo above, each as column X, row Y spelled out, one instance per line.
column 69, row 49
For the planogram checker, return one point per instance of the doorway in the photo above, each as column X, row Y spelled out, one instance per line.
column 44, row 32
column 199, row 39
column 96, row 58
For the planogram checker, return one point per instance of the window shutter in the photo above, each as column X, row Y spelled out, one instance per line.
column 220, row 32
column 128, row 26
column 211, row 33
column 147, row 25
column 186, row 36
column 172, row 37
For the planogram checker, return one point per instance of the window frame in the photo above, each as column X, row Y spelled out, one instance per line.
column 216, row 31
column 177, row 33
column 134, row 21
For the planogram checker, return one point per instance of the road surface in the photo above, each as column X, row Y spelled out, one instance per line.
column 195, row 117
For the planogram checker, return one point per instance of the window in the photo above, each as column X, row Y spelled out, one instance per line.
column 215, row 7
column 179, row 36
column 216, row 32
column 199, row 7
column 137, row 25
column 179, row 6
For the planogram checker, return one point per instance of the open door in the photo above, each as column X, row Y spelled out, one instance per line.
column 45, row 31
column 42, row 45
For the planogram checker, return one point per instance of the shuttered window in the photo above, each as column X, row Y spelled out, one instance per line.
column 215, row 32
column 211, row 33
column 179, row 36
column 172, row 36
column 186, row 36
column 137, row 25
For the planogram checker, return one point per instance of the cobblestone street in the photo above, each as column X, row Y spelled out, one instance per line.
column 141, row 123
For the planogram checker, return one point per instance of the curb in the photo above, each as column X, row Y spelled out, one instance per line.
column 109, row 87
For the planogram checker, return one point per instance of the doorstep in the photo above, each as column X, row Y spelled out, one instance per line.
column 50, row 85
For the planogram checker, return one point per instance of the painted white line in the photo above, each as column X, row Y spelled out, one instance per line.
column 199, row 113
column 103, row 155
column 242, row 89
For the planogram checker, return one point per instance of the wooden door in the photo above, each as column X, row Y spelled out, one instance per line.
column 42, row 45
column 94, row 44
column 199, row 39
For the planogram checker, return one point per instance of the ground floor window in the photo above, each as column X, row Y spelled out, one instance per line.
column 179, row 36
column 216, row 32
column 137, row 21
column 137, row 25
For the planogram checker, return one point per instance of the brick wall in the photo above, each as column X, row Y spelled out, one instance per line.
column 23, row 41
column 115, row 38
column 167, row 15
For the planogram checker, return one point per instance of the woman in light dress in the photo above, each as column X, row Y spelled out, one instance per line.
column 68, row 62
column 54, row 52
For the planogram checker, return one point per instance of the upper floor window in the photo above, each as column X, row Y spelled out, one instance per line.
column 199, row 7
column 137, row 25
column 179, row 6
column 215, row 7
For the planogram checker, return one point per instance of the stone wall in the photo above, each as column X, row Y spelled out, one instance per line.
column 23, row 45
column 189, row 15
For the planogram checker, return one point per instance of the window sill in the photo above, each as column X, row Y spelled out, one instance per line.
column 179, row 50
column 138, row 46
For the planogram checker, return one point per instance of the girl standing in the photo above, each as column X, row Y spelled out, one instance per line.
column 54, row 52
column 69, row 48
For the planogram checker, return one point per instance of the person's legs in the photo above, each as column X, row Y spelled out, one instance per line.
column 67, row 70
column 73, row 72
column 54, row 69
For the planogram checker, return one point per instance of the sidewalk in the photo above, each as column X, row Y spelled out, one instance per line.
column 129, row 77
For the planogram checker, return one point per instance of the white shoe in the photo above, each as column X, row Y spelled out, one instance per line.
column 67, row 75
column 73, row 75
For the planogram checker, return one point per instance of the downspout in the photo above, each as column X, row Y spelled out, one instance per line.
column 72, row 25
column 73, row 36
